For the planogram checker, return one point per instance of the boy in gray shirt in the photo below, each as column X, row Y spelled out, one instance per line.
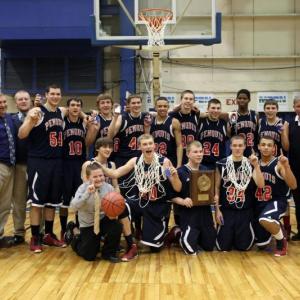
column 85, row 241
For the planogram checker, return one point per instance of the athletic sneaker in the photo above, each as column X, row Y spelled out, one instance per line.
column 172, row 236
column 131, row 254
column 35, row 244
column 281, row 247
column 50, row 239
column 69, row 234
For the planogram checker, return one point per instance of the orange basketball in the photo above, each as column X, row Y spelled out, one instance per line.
column 113, row 204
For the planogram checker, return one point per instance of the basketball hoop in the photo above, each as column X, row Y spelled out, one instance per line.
column 155, row 20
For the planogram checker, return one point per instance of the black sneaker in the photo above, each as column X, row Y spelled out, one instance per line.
column 112, row 258
column 18, row 239
column 69, row 234
column 296, row 237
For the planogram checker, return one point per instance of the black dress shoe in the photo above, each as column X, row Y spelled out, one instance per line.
column 112, row 258
column 6, row 241
column 18, row 239
column 296, row 237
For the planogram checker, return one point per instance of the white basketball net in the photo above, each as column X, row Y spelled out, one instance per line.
column 156, row 21
column 239, row 178
column 145, row 180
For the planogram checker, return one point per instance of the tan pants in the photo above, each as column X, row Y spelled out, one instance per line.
column 19, row 199
column 6, row 186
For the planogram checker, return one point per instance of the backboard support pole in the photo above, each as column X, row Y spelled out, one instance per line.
column 156, row 76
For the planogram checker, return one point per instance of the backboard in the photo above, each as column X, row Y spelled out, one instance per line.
column 193, row 22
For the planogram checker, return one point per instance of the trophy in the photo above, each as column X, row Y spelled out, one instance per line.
column 202, row 187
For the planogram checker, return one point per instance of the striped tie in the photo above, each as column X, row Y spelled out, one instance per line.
column 11, row 142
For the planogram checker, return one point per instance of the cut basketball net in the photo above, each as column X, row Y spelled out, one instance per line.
column 145, row 180
column 156, row 20
column 239, row 178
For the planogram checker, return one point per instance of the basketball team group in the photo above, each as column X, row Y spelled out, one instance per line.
column 126, row 173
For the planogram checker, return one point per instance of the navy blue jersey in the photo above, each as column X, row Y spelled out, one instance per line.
column 104, row 124
column 272, row 131
column 165, row 143
column 275, row 188
column 184, row 173
column 230, row 197
column 46, row 139
column 212, row 135
column 74, row 140
column 159, row 192
column 189, row 126
column 131, row 128
column 246, row 126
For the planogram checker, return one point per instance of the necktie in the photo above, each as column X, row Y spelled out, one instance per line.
column 22, row 117
column 97, row 212
column 11, row 142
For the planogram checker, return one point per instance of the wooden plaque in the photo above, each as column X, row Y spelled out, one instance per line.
column 202, row 187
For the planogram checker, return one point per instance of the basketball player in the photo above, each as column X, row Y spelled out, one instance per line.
column 196, row 222
column 212, row 135
column 44, row 128
column 149, row 190
column 166, row 132
column 244, row 121
column 99, row 129
column 85, row 241
column 189, row 120
column 74, row 155
column 274, row 127
column 271, row 201
column 294, row 157
column 129, row 126
column 104, row 148
column 236, row 180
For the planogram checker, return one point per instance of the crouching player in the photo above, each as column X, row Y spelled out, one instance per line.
column 148, row 190
column 85, row 241
column 236, row 177
column 271, row 201
column 196, row 223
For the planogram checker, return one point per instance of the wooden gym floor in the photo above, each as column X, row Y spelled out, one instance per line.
column 59, row 274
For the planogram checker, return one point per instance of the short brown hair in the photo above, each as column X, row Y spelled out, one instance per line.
column 187, row 92
column 91, row 167
column 104, row 97
column 133, row 96
column 237, row 137
column 271, row 102
column 105, row 141
column 213, row 101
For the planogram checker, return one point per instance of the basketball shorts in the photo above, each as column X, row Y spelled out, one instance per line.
column 197, row 229
column 237, row 231
column 45, row 179
column 155, row 215
column 72, row 180
column 271, row 211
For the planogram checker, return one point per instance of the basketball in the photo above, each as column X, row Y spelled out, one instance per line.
column 113, row 204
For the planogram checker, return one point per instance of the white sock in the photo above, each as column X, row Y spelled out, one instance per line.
column 278, row 235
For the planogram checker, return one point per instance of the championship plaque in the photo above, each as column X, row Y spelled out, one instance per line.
column 202, row 187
